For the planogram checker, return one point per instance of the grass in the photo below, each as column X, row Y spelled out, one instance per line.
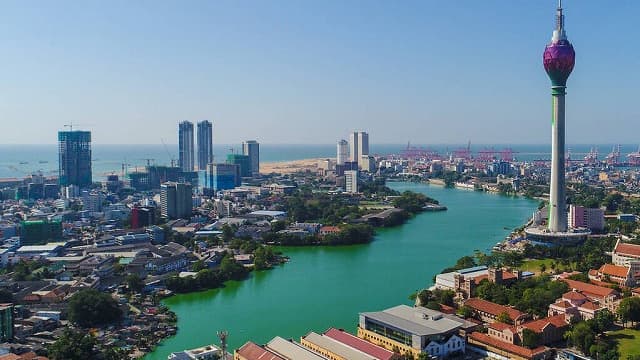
column 533, row 265
column 628, row 341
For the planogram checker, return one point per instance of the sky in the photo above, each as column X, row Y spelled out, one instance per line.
column 302, row 71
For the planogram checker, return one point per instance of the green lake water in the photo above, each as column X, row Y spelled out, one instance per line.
column 324, row 287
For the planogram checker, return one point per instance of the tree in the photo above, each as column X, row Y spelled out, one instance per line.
column 581, row 336
column 227, row 233
column 503, row 317
column 134, row 283
column 602, row 321
column 543, row 267
column 530, row 338
column 465, row 311
column 73, row 345
column 89, row 308
column 629, row 309
column 198, row 265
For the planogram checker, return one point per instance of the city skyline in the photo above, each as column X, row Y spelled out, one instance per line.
column 325, row 68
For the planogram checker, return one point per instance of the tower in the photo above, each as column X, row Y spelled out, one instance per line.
column 342, row 153
column 74, row 158
column 558, row 60
column 185, row 146
column 205, row 144
column 353, row 147
column 252, row 149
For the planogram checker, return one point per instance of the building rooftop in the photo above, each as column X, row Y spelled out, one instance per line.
column 357, row 343
column 291, row 350
column 336, row 347
column 252, row 351
column 418, row 320
column 614, row 270
column 493, row 308
column 508, row 347
column 632, row 250
column 589, row 289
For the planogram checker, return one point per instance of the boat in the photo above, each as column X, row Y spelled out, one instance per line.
column 43, row 162
column 24, row 162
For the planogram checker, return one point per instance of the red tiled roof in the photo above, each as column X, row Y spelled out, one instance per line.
column 538, row 325
column 511, row 348
column 329, row 229
column 586, row 289
column 493, row 308
column 508, row 275
column 614, row 270
column 479, row 278
column 562, row 304
column 252, row 351
column 499, row 326
column 593, row 272
column 573, row 295
column 590, row 306
column 627, row 249
column 359, row 344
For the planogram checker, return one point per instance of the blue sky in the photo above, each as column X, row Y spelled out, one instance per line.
column 299, row 71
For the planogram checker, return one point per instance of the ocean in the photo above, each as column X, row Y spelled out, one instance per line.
column 17, row 161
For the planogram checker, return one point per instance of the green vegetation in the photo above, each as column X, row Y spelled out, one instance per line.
column 433, row 299
column 134, row 283
column 584, row 336
column 628, row 341
column 229, row 269
column 349, row 234
column 76, row 345
column 530, row 338
column 413, row 202
column 629, row 310
column 590, row 255
column 532, row 295
column 91, row 308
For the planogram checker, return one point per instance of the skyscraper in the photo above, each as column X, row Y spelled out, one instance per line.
column 252, row 149
column 186, row 156
column 205, row 144
column 342, row 153
column 363, row 144
column 353, row 147
column 558, row 60
column 74, row 158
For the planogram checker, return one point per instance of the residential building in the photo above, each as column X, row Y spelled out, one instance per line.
column 574, row 305
column 583, row 217
column 142, row 216
column 243, row 162
column 626, row 255
column 74, row 158
column 351, row 181
column 489, row 312
column 617, row 274
column 342, row 154
column 603, row 296
column 414, row 330
column 223, row 176
column 251, row 148
column 176, row 200
column 550, row 330
column 205, row 144
column 186, row 154
column 92, row 201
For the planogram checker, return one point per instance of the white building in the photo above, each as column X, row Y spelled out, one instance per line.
column 209, row 352
column 351, row 181
column 92, row 201
column 176, row 200
column 251, row 148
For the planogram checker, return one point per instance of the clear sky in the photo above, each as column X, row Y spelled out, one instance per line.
column 302, row 71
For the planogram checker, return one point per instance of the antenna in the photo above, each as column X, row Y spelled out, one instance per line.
column 222, row 335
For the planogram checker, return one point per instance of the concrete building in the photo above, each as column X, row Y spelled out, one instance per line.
column 176, row 200
column 342, row 154
column 332, row 349
column 355, row 342
column 358, row 146
column 354, row 156
column 205, row 144
column 574, row 306
column 74, row 158
column 489, row 312
column 582, row 217
column 414, row 330
column 253, row 351
column 6, row 322
column 186, row 154
column 351, row 181
column 223, row 176
column 209, row 352
column 367, row 163
column 38, row 232
column 363, row 143
column 251, row 148
column 243, row 161
column 92, row 201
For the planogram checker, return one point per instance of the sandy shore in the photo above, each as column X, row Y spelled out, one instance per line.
column 289, row 167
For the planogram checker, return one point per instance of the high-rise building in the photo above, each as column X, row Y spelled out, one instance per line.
column 176, row 200
column 582, row 217
column 342, row 154
column 186, row 158
column 351, row 181
column 558, row 60
column 353, row 147
column 6, row 322
column 363, row 143
column 74, row 158
column 205, row 144
column 223, row 176
column 92, row 200
column 38, row 232
column 243, row 161
column 252, row 149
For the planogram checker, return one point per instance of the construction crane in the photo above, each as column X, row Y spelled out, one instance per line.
column 173, row 160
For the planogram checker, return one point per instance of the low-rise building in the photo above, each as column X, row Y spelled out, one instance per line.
column 604, row 297
column 574, row 305
column 291, row 350
column 253, row 351
column 331, row 348
column 617, row 274
column 355, row 342
column 489, row 312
